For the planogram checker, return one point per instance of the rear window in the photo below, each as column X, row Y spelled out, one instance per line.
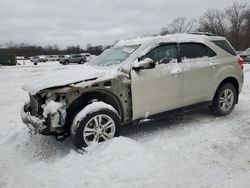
column 223, row 44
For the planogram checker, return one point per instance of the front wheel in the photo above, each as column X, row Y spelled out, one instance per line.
column 97, row 122
column 81, row 62
column 224, row 100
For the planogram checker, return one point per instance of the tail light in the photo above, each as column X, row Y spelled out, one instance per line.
column 241, row 63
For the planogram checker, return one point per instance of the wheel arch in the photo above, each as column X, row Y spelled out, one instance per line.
column 232, row 80
column 86, row 98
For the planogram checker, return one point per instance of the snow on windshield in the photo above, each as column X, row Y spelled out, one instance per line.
column 114, row 55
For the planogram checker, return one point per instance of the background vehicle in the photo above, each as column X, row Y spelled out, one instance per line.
column 88, row 56
column 53, row 58
column 136, row 80
column 34, row 59
column 246, row 55
column 20, row 58
column 75, row 58
column 41, row 58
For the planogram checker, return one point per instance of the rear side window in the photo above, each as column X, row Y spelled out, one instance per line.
column 195, row 50
column 223, row 44
column 192, row 50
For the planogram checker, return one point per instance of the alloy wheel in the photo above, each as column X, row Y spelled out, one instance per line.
column 99, row 128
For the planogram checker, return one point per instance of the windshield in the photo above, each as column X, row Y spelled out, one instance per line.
column 114, row 55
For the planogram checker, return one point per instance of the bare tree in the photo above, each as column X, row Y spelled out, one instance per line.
column 164, row 31
column 178, row 25
column 245, row 33
column 237, row 14
column 10, row 44
column 181, row 25
column 214, row 21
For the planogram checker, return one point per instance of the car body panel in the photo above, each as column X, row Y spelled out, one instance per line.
column 64, row 77
column 197, row 80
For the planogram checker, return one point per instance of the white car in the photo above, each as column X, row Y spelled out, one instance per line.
column 88, row 56
column 41, row 58
column 135, row 80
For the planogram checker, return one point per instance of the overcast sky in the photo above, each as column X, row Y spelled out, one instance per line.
column 72, row 22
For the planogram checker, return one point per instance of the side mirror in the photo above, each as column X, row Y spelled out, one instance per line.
column 146, row 63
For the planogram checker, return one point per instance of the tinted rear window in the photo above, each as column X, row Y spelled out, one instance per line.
column 192, row 50
column 223, row 44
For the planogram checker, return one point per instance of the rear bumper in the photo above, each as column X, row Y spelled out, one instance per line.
column 35, row 124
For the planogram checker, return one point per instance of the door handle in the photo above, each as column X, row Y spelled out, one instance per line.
column 177, row 71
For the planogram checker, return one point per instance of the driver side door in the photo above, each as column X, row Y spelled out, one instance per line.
column 158, row 89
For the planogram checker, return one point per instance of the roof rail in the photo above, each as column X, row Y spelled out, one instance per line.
column 202, row 33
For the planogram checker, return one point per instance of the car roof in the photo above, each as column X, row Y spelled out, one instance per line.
column 178, row 37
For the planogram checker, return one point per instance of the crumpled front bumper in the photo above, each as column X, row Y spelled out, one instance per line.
column 35, row 124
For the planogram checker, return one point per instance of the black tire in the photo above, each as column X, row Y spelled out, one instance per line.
column 217, row 106
column 81, row 121
column 81, row 61
column 66, row 62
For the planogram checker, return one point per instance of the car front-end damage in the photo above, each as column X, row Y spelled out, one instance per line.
column 47, row 111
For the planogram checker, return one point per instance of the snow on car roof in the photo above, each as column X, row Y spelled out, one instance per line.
column 178, row 37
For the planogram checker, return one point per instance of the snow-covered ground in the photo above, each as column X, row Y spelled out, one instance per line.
column 184, row 151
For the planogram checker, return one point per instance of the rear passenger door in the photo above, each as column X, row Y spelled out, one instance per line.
column 198, row 72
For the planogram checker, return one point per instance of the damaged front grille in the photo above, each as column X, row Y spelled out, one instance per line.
column 35, row 105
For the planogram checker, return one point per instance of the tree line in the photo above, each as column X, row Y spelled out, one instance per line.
column 232, row 22
column 32, row 50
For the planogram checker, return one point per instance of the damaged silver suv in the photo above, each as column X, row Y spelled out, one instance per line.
column 134, row 80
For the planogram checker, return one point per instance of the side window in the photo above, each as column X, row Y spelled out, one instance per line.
column 210, row 53
column 163, row 54
column 192, row 50
column 223, row 44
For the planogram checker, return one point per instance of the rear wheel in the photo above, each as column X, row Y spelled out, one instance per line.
column 224, row 100
column 97, row 122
